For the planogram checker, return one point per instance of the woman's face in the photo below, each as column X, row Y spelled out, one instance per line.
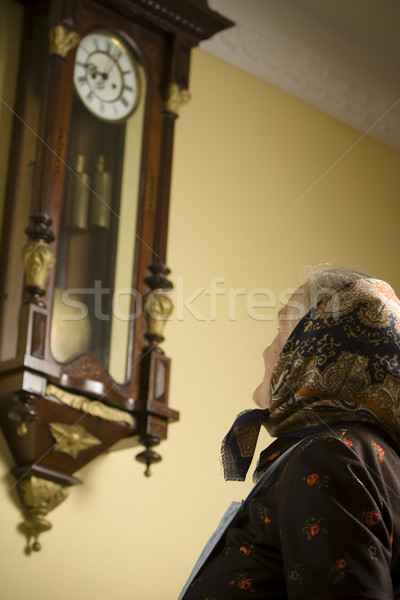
column 288, row 316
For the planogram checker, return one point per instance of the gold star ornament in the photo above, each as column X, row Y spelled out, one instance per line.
column 72, row 439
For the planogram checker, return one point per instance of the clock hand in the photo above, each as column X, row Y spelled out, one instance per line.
column 106, row 74
column 110, row 66
column 107, row 71
column 92, row 69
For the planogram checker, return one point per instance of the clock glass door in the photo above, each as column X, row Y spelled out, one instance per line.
column 94, row 304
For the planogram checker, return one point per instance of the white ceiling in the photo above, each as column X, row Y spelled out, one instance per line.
column 342, row 56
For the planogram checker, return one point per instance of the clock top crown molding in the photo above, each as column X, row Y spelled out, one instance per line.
column 192, row 17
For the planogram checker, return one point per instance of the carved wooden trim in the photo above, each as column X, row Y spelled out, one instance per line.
column 72, row 439
column 196, row 19
column 38, row 497
column 38, row 259
column 61, row 41
column 175, row 98
column 90, row 407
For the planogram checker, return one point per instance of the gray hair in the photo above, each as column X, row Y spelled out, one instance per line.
column 323, row 281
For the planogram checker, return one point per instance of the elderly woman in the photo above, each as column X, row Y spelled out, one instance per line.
column 323, row 521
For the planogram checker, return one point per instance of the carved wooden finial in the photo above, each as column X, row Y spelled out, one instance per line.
column 38, row 497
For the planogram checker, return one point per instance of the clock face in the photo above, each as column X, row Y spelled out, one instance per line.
column 105, row 77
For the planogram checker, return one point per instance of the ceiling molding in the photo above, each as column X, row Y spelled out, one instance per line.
column 310, row 76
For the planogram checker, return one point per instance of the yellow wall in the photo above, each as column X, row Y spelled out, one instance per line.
column 251, row 163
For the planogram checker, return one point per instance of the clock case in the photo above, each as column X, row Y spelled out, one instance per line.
column 57, row 417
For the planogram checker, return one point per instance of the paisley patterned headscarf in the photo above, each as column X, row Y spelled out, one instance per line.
column 341, row 362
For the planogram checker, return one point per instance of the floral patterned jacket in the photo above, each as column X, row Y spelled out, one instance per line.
column 326, row 525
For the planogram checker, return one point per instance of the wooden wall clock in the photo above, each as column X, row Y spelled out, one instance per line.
column 82, row 313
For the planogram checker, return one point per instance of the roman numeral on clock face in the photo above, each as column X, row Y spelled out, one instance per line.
column 105, row 76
